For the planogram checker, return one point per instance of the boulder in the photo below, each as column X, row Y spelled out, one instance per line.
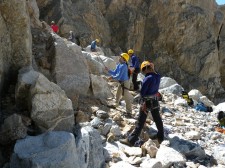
column 166, row 82
column 69, row 68
column 12, row 129
column 174, row 89
column 219, row 154
column 50, row 107
column 100, row 87
column 94, row 64
column 26, row 78
column 168, row 156
column 48, row 150
column 89, row 148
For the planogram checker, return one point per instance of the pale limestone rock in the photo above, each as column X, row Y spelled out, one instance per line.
column 111, row 150
column 58, row 148
column 122, row 164
column 100, row 87
column 50, row 107
column 94, row 65
column 70, row 69
column 115, row 130
column 206, row 101
column 108, row 62
column 195, row 94
column 150, row 147
column 180, row 102
column 166, row 82
column 151, row 163
column 89, row 148
column 167, row 156
column 133, row 151
column 193, row 135
column 134, row 160
column 174, row 89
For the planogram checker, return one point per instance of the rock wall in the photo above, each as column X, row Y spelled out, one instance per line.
column 16, row 42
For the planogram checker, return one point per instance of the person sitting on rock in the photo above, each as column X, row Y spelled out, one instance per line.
column 54, row 27
column 121, row 74
column 149, row 102
column 94, row 45
column 71, row 37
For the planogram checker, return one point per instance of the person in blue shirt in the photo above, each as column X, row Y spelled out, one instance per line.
column 149, row 102
column 136, row 66
column 121, row 75
column 94, row 45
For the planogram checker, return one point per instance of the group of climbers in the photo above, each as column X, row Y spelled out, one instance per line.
column 148, row 92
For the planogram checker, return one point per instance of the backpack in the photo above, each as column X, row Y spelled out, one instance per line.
column 189, row 100
column 221, row 118
column 201, row 107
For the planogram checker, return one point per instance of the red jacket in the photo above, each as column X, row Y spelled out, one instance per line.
column 55, row 28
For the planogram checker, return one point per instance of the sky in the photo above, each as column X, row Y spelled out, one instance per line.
column 220, row 2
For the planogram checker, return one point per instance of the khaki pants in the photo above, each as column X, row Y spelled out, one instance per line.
column 126, row 96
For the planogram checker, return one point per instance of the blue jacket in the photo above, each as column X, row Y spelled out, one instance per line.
column 120, row 73
column 93, row 44
column 135, row 62
column 150, row 85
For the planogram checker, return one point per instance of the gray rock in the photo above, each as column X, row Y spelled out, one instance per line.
column 166, row 82
column 187, row 148
column 219, row 154
column 100, row 87
column 51, row 109
column 168, row 156
column 49, row 150
column 12, row 129
column 70, row 69
column 89, row 148
column 96, row 122
column 102, row 114
column 175, row 89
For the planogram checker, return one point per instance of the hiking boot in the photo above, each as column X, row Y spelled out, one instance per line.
column 125, row 142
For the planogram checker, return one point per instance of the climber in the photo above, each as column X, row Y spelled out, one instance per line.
column 121, row 74
column 136, row 66
column 71, row 37
column 149, row 102
column 93, row 45
column 54, row 27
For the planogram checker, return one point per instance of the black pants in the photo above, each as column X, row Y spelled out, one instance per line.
column 153, row 105
column 134, row 78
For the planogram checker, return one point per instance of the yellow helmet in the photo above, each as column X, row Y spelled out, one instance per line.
column 125, row 56
column 97, row 40
column 130, row 51
column 144, row 64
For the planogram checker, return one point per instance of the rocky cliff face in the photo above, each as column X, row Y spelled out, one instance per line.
column 16, row 39
column 181, row 36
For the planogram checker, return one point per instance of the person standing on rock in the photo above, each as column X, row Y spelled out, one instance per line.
column 149, row 102
column 54, row 27
column 121, row 74
column 136, row 66
column 94, row 45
